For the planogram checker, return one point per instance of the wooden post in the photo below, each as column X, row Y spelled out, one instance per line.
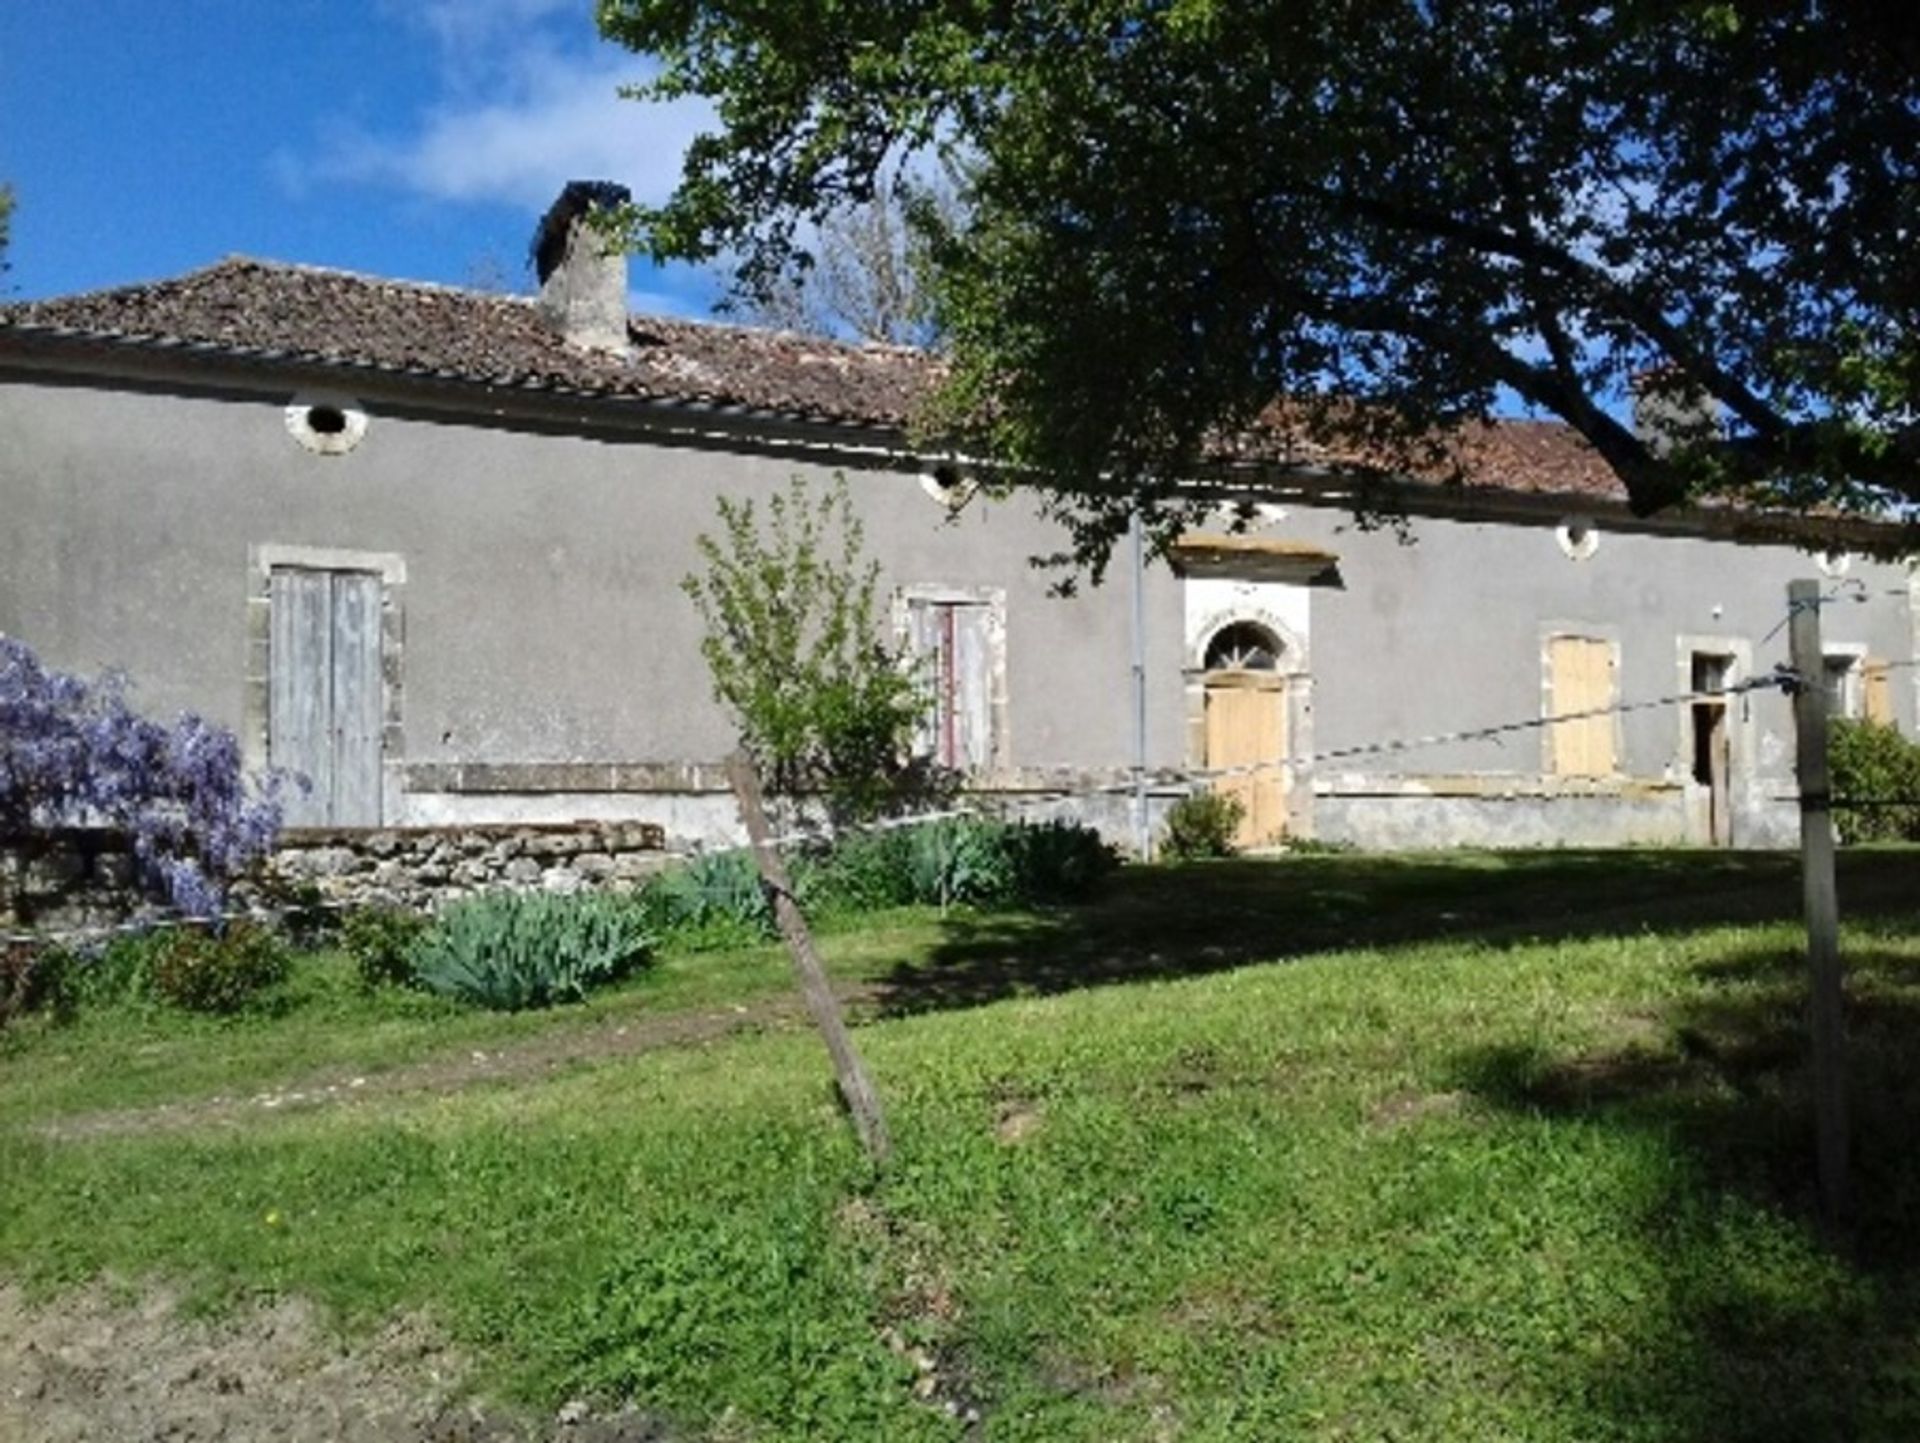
column 855, row 1086
column 1821, row 900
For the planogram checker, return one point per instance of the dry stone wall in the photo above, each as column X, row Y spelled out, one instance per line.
column 423, row 867
column 83, row 877
column 75, row 877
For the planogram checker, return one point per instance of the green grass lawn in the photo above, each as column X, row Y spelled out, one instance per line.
column 1465, row 1147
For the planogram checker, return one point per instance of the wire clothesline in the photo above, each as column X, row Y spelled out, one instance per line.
column 1780, row 677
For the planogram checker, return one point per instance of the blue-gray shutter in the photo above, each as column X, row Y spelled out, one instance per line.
column 324, row 694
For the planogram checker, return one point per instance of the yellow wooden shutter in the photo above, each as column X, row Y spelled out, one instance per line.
column 1878, row 698
column 1580, row 679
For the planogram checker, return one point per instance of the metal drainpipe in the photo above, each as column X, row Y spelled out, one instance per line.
column 1142, row 832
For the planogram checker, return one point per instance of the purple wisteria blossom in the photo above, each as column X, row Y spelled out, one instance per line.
column 74, row 753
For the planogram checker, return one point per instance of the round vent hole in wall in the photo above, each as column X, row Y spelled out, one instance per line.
column 326, row 424
column 1579, row 538
column 947, row 484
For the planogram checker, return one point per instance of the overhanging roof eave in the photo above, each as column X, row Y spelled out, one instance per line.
column 72, row 355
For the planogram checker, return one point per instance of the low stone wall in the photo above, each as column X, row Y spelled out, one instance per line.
column 422, row 867
column 75, row 877
column 83, row 877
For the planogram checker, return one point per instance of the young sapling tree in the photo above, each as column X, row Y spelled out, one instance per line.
column 824, row 701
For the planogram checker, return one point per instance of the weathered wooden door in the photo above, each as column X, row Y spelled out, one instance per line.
column 324, row 697
column 1246, row 723
column 954, row 641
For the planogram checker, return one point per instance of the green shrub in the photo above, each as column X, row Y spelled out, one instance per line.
column 1059, row 861
column 34, row 977
column 221, row 972
column 380, row 941
column 714, row 900
column 1872, row 762
column 861, row 872
column 119, row 973
column 959, row 861
column 717, row 899
column 507, row 951
column 1319, row 847
column 975, row 861
column 1202, row 825
column 801, row 655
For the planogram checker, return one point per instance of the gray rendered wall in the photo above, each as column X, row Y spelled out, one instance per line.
column 543, row 621
column 1446, row 635
column 543, row 617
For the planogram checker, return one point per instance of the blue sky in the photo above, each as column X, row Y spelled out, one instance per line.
column 409, row 138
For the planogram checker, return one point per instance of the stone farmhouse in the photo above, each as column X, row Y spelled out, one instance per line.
column 424, row 545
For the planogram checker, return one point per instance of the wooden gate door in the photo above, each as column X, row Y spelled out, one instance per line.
column 324, row 699
column 1247, row 726
column 952, row 639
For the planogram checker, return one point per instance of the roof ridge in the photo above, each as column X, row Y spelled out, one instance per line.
column 237, row 259
column 273, row 310
column 719, row 324
column 122, row 288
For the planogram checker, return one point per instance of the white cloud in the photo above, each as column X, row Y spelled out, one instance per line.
column 477, row 41
column 524, row 107
column 477, row 23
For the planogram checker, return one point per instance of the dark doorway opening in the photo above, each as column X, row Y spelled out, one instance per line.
column 1712, row 745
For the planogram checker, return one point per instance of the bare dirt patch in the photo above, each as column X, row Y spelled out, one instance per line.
column 1016, row 1122
column 1405, row 1108
column 97, row 1366
column 520, row 1062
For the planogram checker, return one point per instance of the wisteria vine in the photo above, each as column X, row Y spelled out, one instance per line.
column 73, row 752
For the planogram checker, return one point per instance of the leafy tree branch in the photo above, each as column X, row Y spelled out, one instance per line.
column 1177, row 212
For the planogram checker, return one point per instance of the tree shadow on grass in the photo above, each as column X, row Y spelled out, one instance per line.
column 1819, row 1340
column 1163, row 922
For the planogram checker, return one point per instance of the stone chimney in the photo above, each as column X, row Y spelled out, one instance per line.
column 583, row 280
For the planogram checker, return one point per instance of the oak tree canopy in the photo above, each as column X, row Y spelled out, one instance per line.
column 1399, row 214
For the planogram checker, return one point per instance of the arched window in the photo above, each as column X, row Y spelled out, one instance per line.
column 1243, row 646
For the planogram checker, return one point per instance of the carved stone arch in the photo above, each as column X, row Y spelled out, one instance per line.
column 1291, row 659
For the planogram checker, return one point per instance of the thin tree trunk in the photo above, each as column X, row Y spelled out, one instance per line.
column 855, row 1086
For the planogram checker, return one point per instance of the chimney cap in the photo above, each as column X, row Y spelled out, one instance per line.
column 576, row 198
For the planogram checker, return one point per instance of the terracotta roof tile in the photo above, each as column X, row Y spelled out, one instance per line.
column 302, row 312
column 259, row 308
column 1546, row 457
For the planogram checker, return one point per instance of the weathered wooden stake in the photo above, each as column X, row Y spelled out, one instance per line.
column 855, row 1086
column 1821, row 901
